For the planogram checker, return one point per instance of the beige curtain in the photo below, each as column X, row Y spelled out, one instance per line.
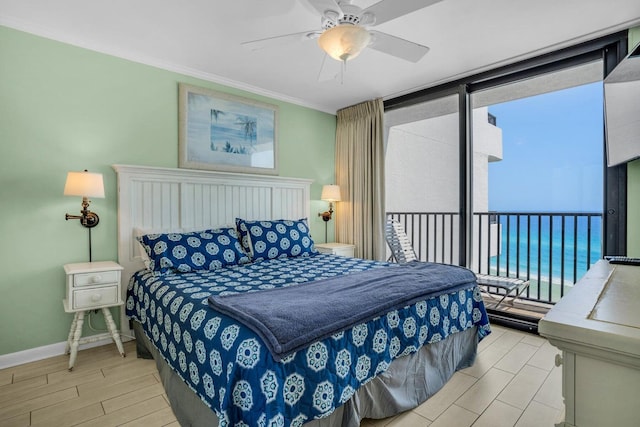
column 360, row 216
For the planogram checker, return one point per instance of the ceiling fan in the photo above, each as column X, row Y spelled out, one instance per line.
column 345, row 29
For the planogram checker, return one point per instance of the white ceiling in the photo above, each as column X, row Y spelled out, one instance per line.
column 203, row 39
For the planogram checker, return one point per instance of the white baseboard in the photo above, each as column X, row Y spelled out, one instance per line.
column 51, row 350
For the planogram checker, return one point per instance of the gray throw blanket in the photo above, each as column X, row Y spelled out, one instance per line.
column 290, row 318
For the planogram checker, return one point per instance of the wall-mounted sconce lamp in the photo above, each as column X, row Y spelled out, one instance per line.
column 330, row 193
column 85, row 184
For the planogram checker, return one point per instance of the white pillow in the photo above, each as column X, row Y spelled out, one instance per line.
column 143, row 256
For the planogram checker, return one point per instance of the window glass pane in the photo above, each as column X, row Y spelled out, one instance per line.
column 538, row 179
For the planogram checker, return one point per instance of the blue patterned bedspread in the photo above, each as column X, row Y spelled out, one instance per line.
column 230, row 368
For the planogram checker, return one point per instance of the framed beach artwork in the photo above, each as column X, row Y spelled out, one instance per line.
column 223, row 132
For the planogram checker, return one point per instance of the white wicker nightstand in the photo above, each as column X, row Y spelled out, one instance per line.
column 91, row 286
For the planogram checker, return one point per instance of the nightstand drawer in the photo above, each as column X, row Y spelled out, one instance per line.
column 96, row 278
column 97, row 297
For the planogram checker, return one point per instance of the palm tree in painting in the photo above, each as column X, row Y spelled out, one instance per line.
column 234, row 150
column 215, row 114
column 249, row 127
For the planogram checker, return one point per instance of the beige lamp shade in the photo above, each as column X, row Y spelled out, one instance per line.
column 330, row 193
column 84, row 184
column 344, row 41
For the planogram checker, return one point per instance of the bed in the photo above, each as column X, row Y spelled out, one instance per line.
column 218, row 370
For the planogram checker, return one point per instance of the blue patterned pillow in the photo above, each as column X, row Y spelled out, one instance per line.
column 185, row 252
column 275, row 239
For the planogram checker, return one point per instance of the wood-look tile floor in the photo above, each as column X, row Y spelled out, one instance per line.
column 104, row 389
column 513, row 383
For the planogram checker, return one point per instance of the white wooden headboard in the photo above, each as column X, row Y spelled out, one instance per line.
column 153, row 198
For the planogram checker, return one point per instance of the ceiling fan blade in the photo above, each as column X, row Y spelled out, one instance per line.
column 323, row 5
column 398, row 47
column 281, row 40
column 386, row 10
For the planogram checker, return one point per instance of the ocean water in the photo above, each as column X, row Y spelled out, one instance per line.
column 236, row 137
column 548, row 260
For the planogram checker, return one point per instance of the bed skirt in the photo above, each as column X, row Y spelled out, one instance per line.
column 409, row 381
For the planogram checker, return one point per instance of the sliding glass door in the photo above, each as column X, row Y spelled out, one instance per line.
column 503, row 172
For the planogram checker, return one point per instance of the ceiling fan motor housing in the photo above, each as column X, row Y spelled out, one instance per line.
column 349, row 14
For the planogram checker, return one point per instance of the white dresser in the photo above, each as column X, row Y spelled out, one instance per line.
column 597, row 327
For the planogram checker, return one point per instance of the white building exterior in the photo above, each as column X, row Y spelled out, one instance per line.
column 422, row 175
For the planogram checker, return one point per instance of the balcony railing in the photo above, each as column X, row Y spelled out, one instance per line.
column 552, row 250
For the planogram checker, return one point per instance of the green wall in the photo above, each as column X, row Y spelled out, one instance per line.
column 64, row 108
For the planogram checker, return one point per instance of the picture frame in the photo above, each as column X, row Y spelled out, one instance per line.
column 223, row 132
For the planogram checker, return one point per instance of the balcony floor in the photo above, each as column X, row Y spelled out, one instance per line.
column 519, row 306
column 519, row 313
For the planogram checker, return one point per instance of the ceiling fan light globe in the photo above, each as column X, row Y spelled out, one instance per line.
column 345, row 41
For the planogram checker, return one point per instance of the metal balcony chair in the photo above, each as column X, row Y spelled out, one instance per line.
column 399, row 243
column 511, row 286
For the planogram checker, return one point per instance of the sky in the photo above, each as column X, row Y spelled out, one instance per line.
column 552, row 152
